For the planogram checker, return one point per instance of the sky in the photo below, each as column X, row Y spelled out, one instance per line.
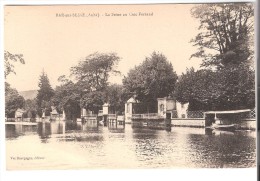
column 52, row 42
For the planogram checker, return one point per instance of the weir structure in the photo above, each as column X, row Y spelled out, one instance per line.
column 151, row 121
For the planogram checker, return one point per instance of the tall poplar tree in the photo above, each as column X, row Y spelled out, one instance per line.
column 45, row 93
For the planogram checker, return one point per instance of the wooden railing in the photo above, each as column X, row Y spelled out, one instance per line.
column 111, row 116
column 146, row 116
column 120, row 118
column 90, row 117
column 195, row 114
column 100, row 113
column 252, row 113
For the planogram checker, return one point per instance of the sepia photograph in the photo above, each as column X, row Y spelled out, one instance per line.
column 137, row 86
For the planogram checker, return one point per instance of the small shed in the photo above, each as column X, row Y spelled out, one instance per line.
column 54, row 113
column 105, row 109
column 19, row 113
column 129, row 109
column 182, row 109
column 166, row 106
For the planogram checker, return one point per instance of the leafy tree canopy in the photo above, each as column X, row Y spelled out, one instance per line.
column 13, row 101
column 92, row 78
column 226, row 32
column 45, row 93
column 152, row 79
column 9, row 58
column 30, row 108
column 116, row 96
column 227, row 89
column 92, row 101
column 95, row 70
column 67, row 98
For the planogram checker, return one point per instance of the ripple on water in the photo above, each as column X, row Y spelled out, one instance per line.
column 100, row 147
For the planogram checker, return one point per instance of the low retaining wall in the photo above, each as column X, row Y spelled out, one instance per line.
column 247, row 124
column 188, row 122
column 151, row 123
column 244, row 124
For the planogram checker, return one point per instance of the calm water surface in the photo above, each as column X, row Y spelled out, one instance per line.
column 71, row 145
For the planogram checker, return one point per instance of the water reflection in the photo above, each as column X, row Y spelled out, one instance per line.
column 222, row 150
column 104, row 147
column 73, row 125
column 90, row 126
column 10, row 132
column 14, row 131
column 116, row 127
column 44, row 131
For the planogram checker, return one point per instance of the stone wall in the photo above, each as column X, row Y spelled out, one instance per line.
column 244, row 124
column 192, row 122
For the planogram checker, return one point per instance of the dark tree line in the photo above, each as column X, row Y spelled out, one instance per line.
column 225, row 45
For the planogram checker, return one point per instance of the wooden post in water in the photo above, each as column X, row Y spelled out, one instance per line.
column 167, row 124
column 105, row 113
column 116, row 120
column 105, row 120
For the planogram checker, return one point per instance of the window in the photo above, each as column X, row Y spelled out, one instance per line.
column 161, row 107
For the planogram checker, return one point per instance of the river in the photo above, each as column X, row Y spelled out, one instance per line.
column 72, row 145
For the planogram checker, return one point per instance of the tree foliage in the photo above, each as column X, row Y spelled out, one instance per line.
column 116, row 96
column 95, row 70
column 227, row 89
column 13, row 101
column 92, row 78
column 45, row 93
column 67, row 99
column 92, row 101
column 9, row 58
column 226, row 32
column 152, row 79
column 225, row 45
column 30, row 107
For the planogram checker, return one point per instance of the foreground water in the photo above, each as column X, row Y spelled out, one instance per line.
column 68, row 145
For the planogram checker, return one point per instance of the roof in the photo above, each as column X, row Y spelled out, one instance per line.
column 132, row 100
column 20, row 110
column 166, row 98
column 54, row 112
column 106, row 104
column 228, row 112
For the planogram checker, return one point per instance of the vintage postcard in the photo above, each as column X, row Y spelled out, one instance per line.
column 152, row 86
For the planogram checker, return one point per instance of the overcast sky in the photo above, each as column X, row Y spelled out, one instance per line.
column 57, row 43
